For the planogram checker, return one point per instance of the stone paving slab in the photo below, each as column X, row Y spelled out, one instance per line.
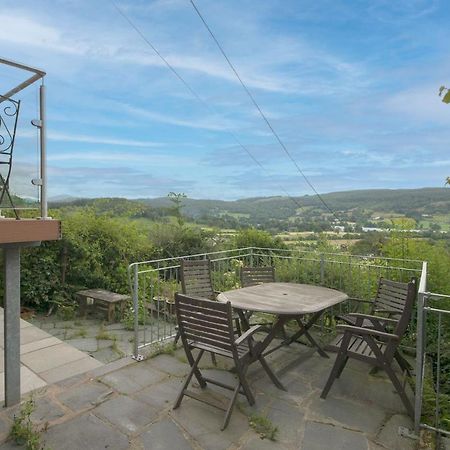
column 320, row 436
column 44, row 358
column 85, row 432
column 165, row 435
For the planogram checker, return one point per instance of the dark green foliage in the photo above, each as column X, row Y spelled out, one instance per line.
column 94, row 253
column 251, row 237
column 172, row 239
column 23, row 432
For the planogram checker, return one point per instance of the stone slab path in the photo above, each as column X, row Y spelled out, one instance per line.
column 44, row 358
column 128, row 405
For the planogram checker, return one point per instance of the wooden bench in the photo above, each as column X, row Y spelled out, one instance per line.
column 102, row 300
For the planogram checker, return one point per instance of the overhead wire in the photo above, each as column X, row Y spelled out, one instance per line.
column 266, row 120
column 194, row 93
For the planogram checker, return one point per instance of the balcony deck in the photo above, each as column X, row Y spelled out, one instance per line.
column 128, row 405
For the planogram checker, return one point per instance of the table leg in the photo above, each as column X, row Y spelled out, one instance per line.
column 304, row 331
column 243, row 319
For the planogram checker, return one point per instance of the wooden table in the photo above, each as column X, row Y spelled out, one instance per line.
column 104, row 300
column 286, row 301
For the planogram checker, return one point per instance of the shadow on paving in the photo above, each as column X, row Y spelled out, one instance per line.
column 128, row 405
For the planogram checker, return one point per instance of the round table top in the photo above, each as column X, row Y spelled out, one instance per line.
column 283, row 298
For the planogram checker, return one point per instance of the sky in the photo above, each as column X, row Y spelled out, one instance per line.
column 350, row 87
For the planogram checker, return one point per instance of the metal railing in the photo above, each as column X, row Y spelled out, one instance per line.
column 432, row 405
column 154, row 283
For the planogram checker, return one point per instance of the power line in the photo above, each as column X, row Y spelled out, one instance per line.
column 252, row 98
column 185, row 83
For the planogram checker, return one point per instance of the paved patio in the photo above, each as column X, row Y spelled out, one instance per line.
column 128, row 405
column 44, row 358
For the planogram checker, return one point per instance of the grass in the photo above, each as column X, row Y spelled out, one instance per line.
column 103, row 334
column 167, row 349
column 263, row 426
column 23, row 432
column 80, row 333
column 115, row 348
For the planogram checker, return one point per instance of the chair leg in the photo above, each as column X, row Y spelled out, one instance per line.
column 177, row 338
column 231, row 406
column 194, row 370
column 342, row 367
column 213, row 359
column 339, row 365
column 399, row 388
column 403, row 363
column 241, row 372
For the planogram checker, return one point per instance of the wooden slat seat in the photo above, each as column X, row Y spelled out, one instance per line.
column 357, row 345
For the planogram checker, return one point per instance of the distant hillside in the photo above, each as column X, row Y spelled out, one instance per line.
column 402, row 201
column 365, row 207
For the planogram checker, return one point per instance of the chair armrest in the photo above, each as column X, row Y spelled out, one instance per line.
column 371, row 317
column 246, row 335
column 389, row 311
column 344, row 318
column 368, row 332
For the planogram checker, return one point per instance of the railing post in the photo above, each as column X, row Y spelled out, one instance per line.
column 420, row 359
column 136, row 312
column 251, row 257
column 322, row 269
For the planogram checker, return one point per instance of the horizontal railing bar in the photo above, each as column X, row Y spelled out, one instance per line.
column 189, row 256
column 444, row 311
column 432, row 295
column 334, row 253
column 437, row 430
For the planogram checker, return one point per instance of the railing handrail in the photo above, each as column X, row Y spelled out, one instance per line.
column 237, row 250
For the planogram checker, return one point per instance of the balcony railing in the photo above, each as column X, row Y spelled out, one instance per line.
column 432, row 402
column 153, row 283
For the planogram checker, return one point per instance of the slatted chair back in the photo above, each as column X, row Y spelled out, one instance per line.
column 196, row 278
column 391, row 297
column 403, row 321
column 251, row 276
column 205, row 324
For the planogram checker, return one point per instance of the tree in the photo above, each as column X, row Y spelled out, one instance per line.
column 177, row 202
column 445, row 95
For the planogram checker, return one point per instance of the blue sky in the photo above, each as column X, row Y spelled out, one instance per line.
column 350, row 86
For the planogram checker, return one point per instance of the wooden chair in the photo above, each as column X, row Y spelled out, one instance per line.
column 387, row 306
column 206, row 325
column 373, row 344
column 389, row 301
column 250, row 276
column 196, row 281
column 196, row 278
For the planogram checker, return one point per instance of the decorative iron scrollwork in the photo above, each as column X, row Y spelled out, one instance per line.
column 9, row 114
